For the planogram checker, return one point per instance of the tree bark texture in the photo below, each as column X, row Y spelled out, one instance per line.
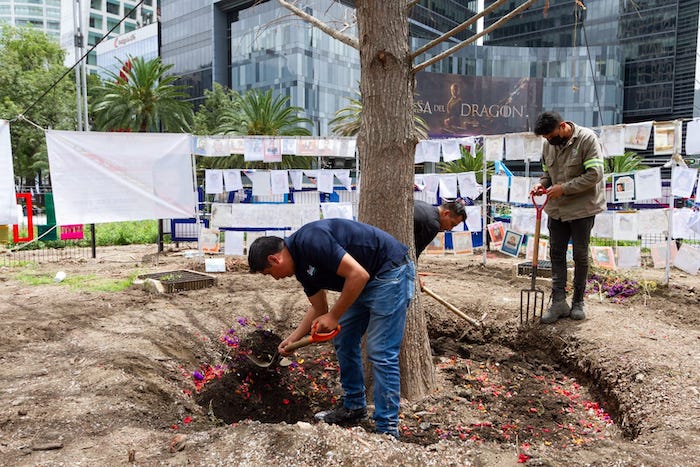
column 386, row 145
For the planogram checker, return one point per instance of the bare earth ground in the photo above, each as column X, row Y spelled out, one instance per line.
column 134, row 377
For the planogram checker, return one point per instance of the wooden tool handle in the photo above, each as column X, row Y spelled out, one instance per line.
column 451, row 307
column 303, row 342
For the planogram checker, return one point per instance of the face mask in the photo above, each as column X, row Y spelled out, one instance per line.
column 557, row 141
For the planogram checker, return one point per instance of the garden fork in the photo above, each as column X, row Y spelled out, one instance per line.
column 532, row 299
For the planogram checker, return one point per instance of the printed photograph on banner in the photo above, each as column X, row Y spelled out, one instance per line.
column 236, row 145
column 272, row 150
column 289, row 146
column 637, row 135
column 659, row 251
column 462, row 243
column 623, row 188
column 664, row 138
column 496, row 232
column 512, row 242
column 437, row 246
column 603, row 257
column 626, row 226
column 647, row 184
column 683, row 181
column 542, row 252
column 209, row 240
column 629, row 257
column 233, row 243
column 688, row 259
column 307, row 147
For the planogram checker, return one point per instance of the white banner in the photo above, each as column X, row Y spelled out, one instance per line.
column 257, row 215
column 8, row 203
column 113, row 177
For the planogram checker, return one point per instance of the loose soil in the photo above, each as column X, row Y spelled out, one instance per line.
column 92, row 377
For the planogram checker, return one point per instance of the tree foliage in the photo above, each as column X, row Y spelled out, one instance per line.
column 217, row 101
column 347, row 120
column 628, row 162
column 262, row 113
column 32, row 63
column 142, row 98
column 468, row 163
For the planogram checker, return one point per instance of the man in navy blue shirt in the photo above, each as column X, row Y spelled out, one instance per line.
column 375, row 278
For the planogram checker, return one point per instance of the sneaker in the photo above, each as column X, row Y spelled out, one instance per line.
column 342, row 416
column 577, row 311
column 393, row 434
column 558, row 309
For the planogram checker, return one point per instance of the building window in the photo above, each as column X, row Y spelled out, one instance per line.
column 113, row 8
column 96, row 21
column 113, row 23
column 96, row 4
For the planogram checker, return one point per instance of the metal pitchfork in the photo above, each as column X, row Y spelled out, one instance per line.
column 532, row 299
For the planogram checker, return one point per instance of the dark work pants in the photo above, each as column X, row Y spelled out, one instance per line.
column 579, row 232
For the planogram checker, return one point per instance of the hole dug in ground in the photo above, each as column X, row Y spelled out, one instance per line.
column 488, row 392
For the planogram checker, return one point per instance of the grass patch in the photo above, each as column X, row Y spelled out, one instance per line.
column 111, row 233
column 88, row 282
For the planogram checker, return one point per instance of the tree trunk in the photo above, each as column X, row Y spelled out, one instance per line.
column 386, row 145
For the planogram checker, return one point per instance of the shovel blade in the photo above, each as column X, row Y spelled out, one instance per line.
column 260, row 362
column 281, row 361
column 531, row 303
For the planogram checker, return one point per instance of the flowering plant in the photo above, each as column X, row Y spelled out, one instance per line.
column 617, row 288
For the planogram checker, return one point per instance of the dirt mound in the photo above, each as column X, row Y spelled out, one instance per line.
column 101, row 376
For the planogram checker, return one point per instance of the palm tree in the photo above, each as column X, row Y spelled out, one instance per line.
column 142, row 98
column 347, row 120
column 628, row 162
column 260, row 113
column 468, row 163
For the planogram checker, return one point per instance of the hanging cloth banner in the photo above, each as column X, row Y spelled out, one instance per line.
column 8, row 209
column 114, row 177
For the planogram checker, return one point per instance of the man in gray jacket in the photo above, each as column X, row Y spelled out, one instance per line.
column 573, row 181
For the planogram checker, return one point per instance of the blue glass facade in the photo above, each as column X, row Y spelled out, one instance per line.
column 187, row 43
column 616, row 61
column 272, row 49
column 44, row 15
column 658, row 38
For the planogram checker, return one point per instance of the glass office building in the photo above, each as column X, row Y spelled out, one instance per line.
column 102, row 18
column 616, row 61
column 272, row 49
column 658, row 38
column 44, row 15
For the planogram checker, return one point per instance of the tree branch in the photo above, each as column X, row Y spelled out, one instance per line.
column 411, row 4
column 457, row 29
column 344, row 38
column 472, row 39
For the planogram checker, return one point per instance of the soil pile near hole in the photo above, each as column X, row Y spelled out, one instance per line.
column 275, row 394
column 508, row 395
column 104, row 378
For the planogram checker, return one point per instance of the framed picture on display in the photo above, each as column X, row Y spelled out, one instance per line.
column 512, row 241
column 437, row 246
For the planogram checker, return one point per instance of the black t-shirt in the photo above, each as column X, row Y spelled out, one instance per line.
column 318, row 247
column 426, row 224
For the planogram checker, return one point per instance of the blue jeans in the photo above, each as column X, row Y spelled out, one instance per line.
column 579, row 232
column 380, row 311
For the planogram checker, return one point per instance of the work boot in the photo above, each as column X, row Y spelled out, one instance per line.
column 577, row 311
column 342, row 416
column 558, row 309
